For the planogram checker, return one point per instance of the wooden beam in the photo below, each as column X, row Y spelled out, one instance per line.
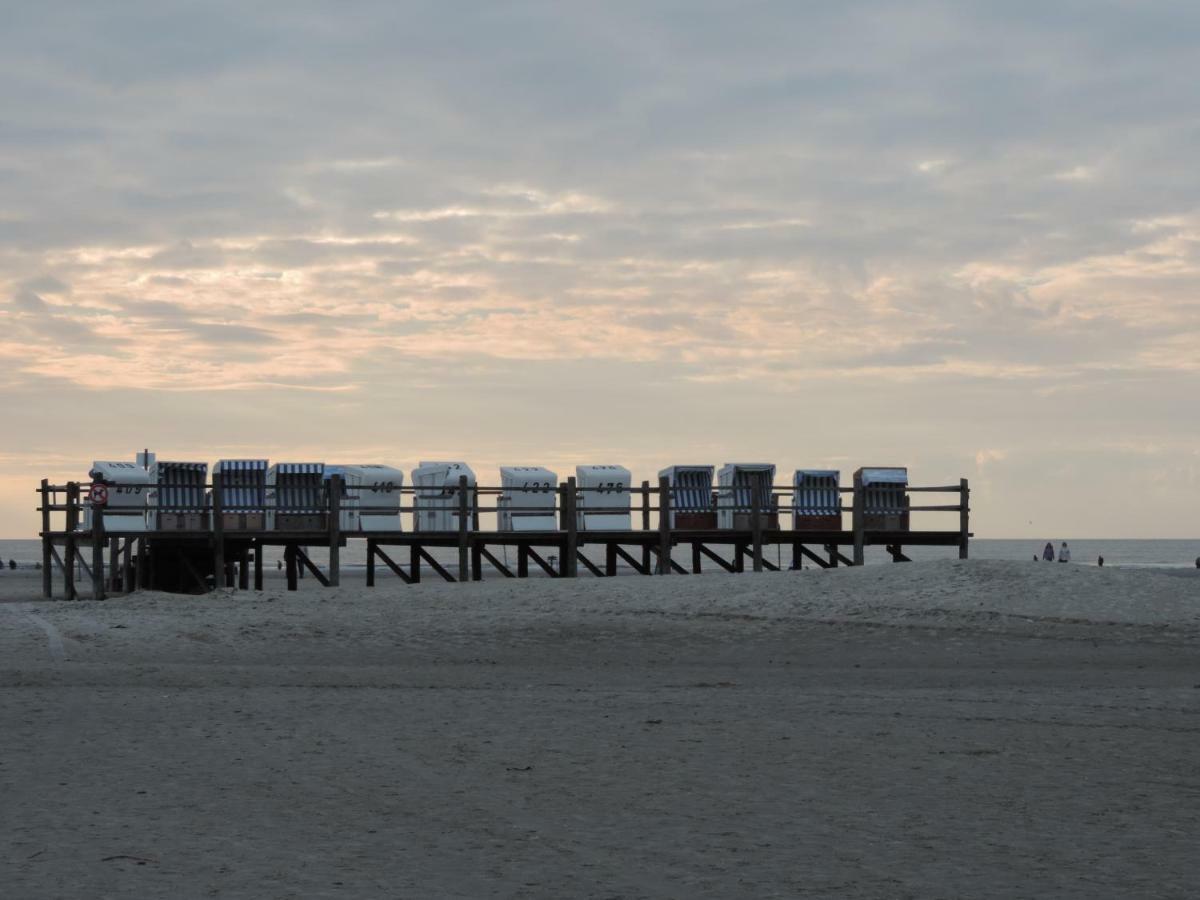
column 435, row 565
column 964, row 517
column 760, row 562
column 97, row 552
column 499, row 566
column 414, row 563
column 804, row 551
column 859, row 526
column 47, row 543
column 756, row 525
column 464, row 523
column 396, row 570
column 218, row 530
column 311, row 566
column 546, row 567
column 897, row 552
column 728, row 567
column 289, row 563
column 336, row 483
column 258, row 564
column 589, row 565
column 637, row 566
column 664, row 526
column 72, row 549
column 571, row 550
column 645, row 524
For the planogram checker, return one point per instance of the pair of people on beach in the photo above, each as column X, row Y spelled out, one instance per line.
column 1064, row 554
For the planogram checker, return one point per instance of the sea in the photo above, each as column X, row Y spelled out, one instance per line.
column 1169, row 554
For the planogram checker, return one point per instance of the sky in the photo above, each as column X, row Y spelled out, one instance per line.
column 958, row 236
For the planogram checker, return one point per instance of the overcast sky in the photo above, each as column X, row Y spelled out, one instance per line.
column 958, row 236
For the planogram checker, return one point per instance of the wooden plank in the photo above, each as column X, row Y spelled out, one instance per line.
column 697, row 568
column 610, row 559
column 258, row 565
column 414, row 563
column 638, row 567
column 522, row 560
column 370, row 562
column 496, row 564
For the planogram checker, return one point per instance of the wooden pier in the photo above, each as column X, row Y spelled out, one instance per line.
column 199, row 560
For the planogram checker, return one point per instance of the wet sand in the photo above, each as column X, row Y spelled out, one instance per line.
column 932, row 730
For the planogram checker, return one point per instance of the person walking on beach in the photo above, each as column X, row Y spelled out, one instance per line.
column 1064, row 554
column 1100, row 562
column 1048, row 552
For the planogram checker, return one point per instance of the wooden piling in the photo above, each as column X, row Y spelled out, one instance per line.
column 290, row 563
column 114, row 549
column 258, row 565
column 97, row 552
column 72, row 548
column 127, row 567
column 964, row 517
column 47, row 545
column 571, row 553
column 756, row 524
column 370, row 562
column 464, row 525
column 664, row 526
column 646, row 523
column 335, row 530
column 858, row 519
column 218, row 532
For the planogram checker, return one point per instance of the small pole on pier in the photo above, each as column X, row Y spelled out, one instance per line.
column 97, row 552
column 464, row 525
column 72, row 547
column 335, row 530
column 218, row 530
column 756, row 524
column 964, row 517
column 859, row 522
column 47, row 553
column 645, row 524
column 664, row 526
column 114, row 548
column 571, row 566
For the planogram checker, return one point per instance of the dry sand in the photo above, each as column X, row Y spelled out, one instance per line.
column 950, row 729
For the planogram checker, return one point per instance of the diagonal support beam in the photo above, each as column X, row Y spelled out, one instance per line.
column 727, row 566
column 435, row 565
column 589, row 565
column 637, row 566
column 823, row 563
column 546, row 567
column 311, row 566
column 496, row 564
column 391, row 564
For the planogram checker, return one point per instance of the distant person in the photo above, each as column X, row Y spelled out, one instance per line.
column 1198, row 562
column 1100, row 561
column 1048, row 552
column 12, row 563
column 279, row 564
column 1036, row 558
column 1064, row 555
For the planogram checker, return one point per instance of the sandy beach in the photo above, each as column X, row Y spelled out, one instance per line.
column 947, row 729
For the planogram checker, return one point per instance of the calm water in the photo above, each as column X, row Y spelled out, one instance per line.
column 1159, row 553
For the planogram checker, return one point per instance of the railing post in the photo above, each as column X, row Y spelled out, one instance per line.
column 72, row 548
column 218, row 531
column 335, row 530
column 464, row 522
column 97, row 552
column 664, row 526
column 645, row 524
column 964, row 517
column 859, row 520
column 571, row 570
column 756, row 524
column 47, row 554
